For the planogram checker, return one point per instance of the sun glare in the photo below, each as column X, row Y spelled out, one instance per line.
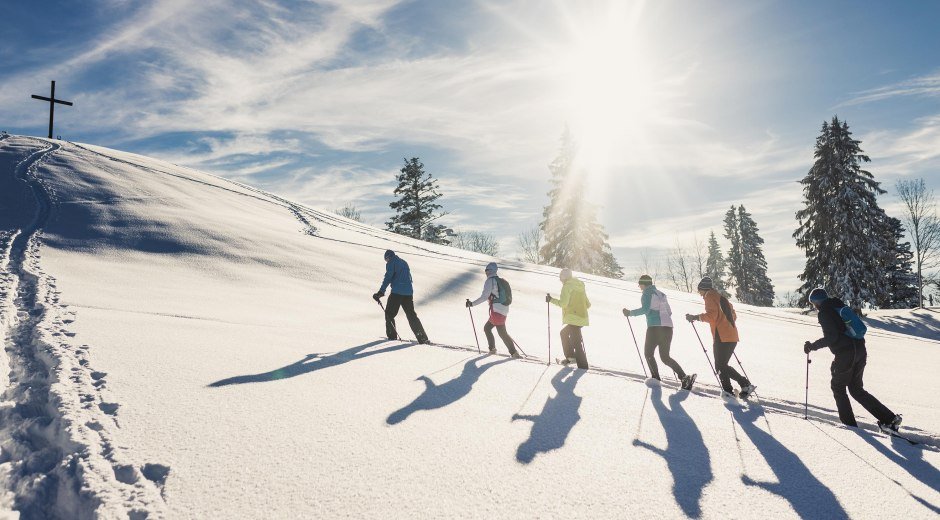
column 609, row 90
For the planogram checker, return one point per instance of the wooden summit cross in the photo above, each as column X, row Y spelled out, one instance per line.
column 52, row 101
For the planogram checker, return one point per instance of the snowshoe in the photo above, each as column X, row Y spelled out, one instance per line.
column 688, row 381
column 729, row 397
column 564, row 361
column 746, row 392
column 515, row 355
column 891, row 427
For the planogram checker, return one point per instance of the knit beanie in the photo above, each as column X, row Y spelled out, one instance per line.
column 565, row 274
column 491, row 267
column 818, row 295
column 705, row 284
column 646, row 280
column 389, row 253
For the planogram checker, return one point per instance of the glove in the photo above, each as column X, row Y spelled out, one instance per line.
column 626, row 313
column 807, row 347
column 468, row 303
column 691, row 317
column 548, row 298
column 378, row 296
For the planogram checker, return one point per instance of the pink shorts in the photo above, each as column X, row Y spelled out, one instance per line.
column 496, row 318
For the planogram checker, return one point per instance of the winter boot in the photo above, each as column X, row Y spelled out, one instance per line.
column 515, row 355
column 688, row 381
column 894, row 425
column 746, row 391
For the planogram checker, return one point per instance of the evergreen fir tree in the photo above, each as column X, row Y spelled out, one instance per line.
column 842, row 229
column 416, row 209
column 757, row 288
column 734, row 263
column 715, row 265
column 572, row 236
column 900, row 279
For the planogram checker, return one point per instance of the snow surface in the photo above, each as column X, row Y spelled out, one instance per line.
column 183, row 346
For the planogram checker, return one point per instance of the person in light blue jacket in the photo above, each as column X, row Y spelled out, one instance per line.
column 398, row 276
column 655, row 306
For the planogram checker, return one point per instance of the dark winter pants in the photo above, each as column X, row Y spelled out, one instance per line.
column 391, row 310
column 573, row 344
column 503, row 334
column 847, row 370
column 723, row 352
column 660, row 337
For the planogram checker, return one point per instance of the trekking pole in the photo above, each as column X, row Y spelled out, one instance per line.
column 806, row 401
column 548, row 316
column 637, row 345
column 388, row 320
column 706, row 354
column 520, row 348
column 474, row 325
column 742, row 366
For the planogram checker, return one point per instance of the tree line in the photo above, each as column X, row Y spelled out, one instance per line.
column 852, row 247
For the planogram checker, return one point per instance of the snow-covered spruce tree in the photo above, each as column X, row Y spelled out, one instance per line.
column 900, row 279
column 715, row 265
column 733, row 260
column 842, row 230
column 572, row 236
column 760, row 291
column 416, row 209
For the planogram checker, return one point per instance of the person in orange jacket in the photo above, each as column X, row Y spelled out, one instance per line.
column 720, row 316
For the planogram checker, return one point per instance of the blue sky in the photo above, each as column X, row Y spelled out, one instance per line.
column 682, row 108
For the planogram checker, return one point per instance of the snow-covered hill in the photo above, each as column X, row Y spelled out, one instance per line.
column 184, row 346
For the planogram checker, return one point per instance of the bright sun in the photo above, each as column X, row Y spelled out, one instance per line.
column 609, row 91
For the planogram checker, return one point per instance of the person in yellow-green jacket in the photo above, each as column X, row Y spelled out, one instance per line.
column 574, row 305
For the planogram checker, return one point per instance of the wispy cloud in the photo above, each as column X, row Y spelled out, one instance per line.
column 927, row 85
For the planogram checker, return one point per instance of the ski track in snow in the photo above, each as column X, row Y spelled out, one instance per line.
column 58, row 460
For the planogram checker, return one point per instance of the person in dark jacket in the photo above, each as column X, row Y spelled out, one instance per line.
column 848, row 367
column 398, row 276
column 655, row 306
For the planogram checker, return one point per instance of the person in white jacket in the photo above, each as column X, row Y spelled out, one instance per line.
column 498, row 311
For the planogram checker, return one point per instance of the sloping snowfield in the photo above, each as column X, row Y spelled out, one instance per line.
column 181, row 346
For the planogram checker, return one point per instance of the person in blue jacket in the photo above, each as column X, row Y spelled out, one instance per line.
column 398, row 276
column 655, row 306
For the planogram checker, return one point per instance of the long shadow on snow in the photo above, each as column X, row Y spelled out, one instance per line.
column 911, row 459
column 438, row 396
column 305, row 365
column 809, row 497
column 686, row 455
column 550, row 428
column 452, row 285
column 919, row 324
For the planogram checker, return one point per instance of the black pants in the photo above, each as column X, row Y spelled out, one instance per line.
column 848, row 367
column 503, row 334
column 723, row 352
column 391, row 310
column 573, row 344
column 660, row 337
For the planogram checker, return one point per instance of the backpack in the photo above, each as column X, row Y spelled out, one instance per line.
column 726, row 309
column 854, row 326
column 659, row 303
column 505, row 292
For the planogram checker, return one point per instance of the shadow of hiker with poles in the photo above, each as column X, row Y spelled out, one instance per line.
column 809, row 497
column 438, row 396
column 686, row 455
column 911, row 459
column 550, row 428
column 312, row 363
